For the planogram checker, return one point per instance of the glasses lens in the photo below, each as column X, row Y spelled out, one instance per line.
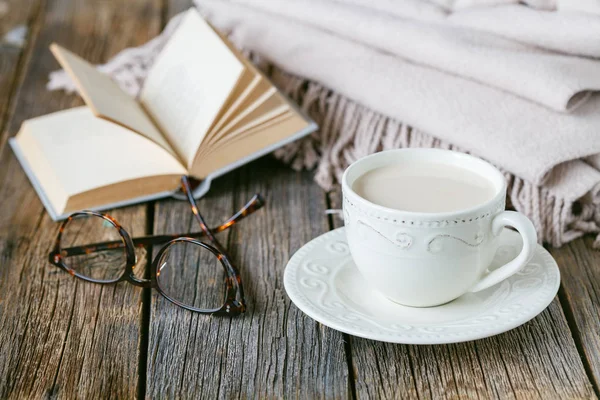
column 93, row 248
column 192, row 275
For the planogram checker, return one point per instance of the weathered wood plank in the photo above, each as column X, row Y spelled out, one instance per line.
column 60, row 336
column 537, row 360
column 274, row 350
column 17, row 21
column 580, row 293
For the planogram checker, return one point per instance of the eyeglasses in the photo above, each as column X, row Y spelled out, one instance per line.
column 95, row 247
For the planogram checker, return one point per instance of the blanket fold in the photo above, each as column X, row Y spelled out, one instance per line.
column 558, row 81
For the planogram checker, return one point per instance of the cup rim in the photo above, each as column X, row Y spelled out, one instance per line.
column 348, row 192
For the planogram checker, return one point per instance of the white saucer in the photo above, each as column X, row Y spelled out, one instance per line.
column 322, row 280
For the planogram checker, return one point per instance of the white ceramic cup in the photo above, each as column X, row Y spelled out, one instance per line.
column 428, row 259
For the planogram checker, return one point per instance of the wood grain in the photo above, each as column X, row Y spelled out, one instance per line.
column 538, row 360
column 61, row 337
column 273, row 350
column 580, row 293
column 18, row 19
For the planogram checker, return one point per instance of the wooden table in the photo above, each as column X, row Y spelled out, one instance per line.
column 61, row 337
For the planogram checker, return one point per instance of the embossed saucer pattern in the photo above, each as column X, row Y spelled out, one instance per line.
column 323, row 282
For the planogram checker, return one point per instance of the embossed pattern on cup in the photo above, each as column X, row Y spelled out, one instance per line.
column 427, row 259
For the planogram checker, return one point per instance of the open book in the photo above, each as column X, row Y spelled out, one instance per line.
column 203, row 111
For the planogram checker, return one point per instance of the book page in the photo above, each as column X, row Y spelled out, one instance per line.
column 256, row 87
column 250, row 126
column 256, row 94
column 238, row 98
column 274, row 120
column 105, row 98
column 245, row 85
column 189, row 83
column 217, row 147
column 268, row 105
column 261, row 137
column 74, row 151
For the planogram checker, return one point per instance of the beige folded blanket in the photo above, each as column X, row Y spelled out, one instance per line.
column 367, row 100
column 559, row 81
column 574, row 29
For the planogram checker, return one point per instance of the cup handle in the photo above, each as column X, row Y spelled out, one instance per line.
column 522, row 224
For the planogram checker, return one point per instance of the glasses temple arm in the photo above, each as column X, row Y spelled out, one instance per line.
column 233, row 279
column 253, row 205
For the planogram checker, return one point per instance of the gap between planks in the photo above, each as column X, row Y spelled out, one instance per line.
column 145, row 310
column 34, row 24
column 569, row 315
column 579, row 297
column 347, row 344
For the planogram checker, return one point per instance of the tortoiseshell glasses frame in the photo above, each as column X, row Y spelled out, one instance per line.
column 234, row 303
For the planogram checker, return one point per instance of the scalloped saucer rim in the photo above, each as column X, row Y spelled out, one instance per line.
column 322, row 281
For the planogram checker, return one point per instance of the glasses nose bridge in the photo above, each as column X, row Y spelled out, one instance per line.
column 134, row 280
